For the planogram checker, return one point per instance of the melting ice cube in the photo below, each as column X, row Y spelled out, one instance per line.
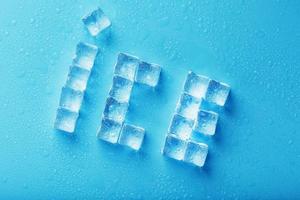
column 109, row 130
column 196, row 153
column 115, row 110
column 217, row 92
column 121, row 89
column 174, row 147
column 78, row 78
column 65, row 120
column 126, row 66
column 148, row 74
column 132, row 136
column 85, row 55
column 206, row 122
column 188, row 106
column 196, row 85
column 71, row 99
column 181, row 127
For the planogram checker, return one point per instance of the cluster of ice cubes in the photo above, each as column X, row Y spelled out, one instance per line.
column 128, row 70
column 190, row 118
column 72, row 92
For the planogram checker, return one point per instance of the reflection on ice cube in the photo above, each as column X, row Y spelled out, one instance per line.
column 126, row 66
column 121, row 89
column 132, row 136
column 71, row 99
column 217, row 92
column 188, row 106
column 206, row 122
column 77, row 78
column 109, row 130
column 174, row 147
column 115, row 110
column 196, row 85
column 148, row 74
column 65, row 120
column 196, row 153
column 85, row 55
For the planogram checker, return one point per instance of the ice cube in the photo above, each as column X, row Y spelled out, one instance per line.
column 196, row 85
column 85, row 55
column 96, row 22
column 78, row 78
column 174, row 147
column 196, row 153
column 181, row 127
column 132, row 136
column 109, row 130
column 121, row 89
column 188, row 106
column 206, row 122
column 126, row 66
column 217, row 92
column 148, row 74
column 115, row 110
column 71, row 99
column 65, row 120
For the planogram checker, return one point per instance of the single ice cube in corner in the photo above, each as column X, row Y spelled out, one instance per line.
column 109, row 130
column 96, row 22
column 217, row 92
column 78, row 78
column 206, row 122
column 121, row 89
column 148, row 74
column 181, row 127
column 196, row 153
column 65, row 120
column 196, row 85
column 85, row 55
column 126, row 66
column 174, row 147
column 132, row 136
column 115, row 110
column 71, row 99
column 188, row 106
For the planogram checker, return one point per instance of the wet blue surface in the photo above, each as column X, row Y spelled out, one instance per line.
column 254, row 46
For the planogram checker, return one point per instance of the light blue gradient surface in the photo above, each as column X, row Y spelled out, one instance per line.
column 252, row 45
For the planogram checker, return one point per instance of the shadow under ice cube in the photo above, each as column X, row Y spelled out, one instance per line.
column 181, row 127
column 196, row 85
column 85, row 55
column 121, row 89
column 126, row 66
column 188, row 106
column 65, row 120
column 71, row 99
column 132, row 136
column 109, row 130
column 115, row 110
column 206, row 122
column 174, row 147
column 148, row 74
column 217, row 92
column 78, row 78
column 196, row 153
column 96, row 22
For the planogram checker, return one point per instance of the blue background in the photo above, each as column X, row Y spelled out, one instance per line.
column 252, row 45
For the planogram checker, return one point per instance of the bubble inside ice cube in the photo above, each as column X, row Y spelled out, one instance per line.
column 78, row 78
column 132, row 136
column 85, row 55
column 109, row 130
column 196, row 153
column 217, row 92
column 196, row 85
column 188, row 106
column 206, row 122
column 65, row 120
column 181, row 127
column 174, row 147
column 148, row 74
column 115, row 110
column 126, row 66
column 96, row 22
column 71, row 99
column 121, row 89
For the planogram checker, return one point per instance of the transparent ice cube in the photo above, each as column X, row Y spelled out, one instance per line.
column 206, row 122
column 132, row 136
column 181, row 127
column 77, row 78
column 196, row 153
column 188, row 106
column 96, row 22
column 115, row 110
column 126, row 66
column 121, row 89
column 65, row 120
column 174, row 147
column 148, row 74
column 71, row 99
column 85, row 55
column 217, row 92
column 196, row 85
column 109, row 130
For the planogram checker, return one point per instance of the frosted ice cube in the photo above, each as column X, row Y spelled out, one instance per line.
column 132, row 136
column 85, row 55
column 65, row 120
column 196, row 153
column 188, row 106
column 78, row 78
column 217, row 92
column 181, row 127
column 121, row 89
column 71, row 99
column 109, row 130
column 126, row 66
column 206, row 122
column 96, row 22
column 174, row 147
column 196, row 85
column 148, row 74
column 115, row 110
